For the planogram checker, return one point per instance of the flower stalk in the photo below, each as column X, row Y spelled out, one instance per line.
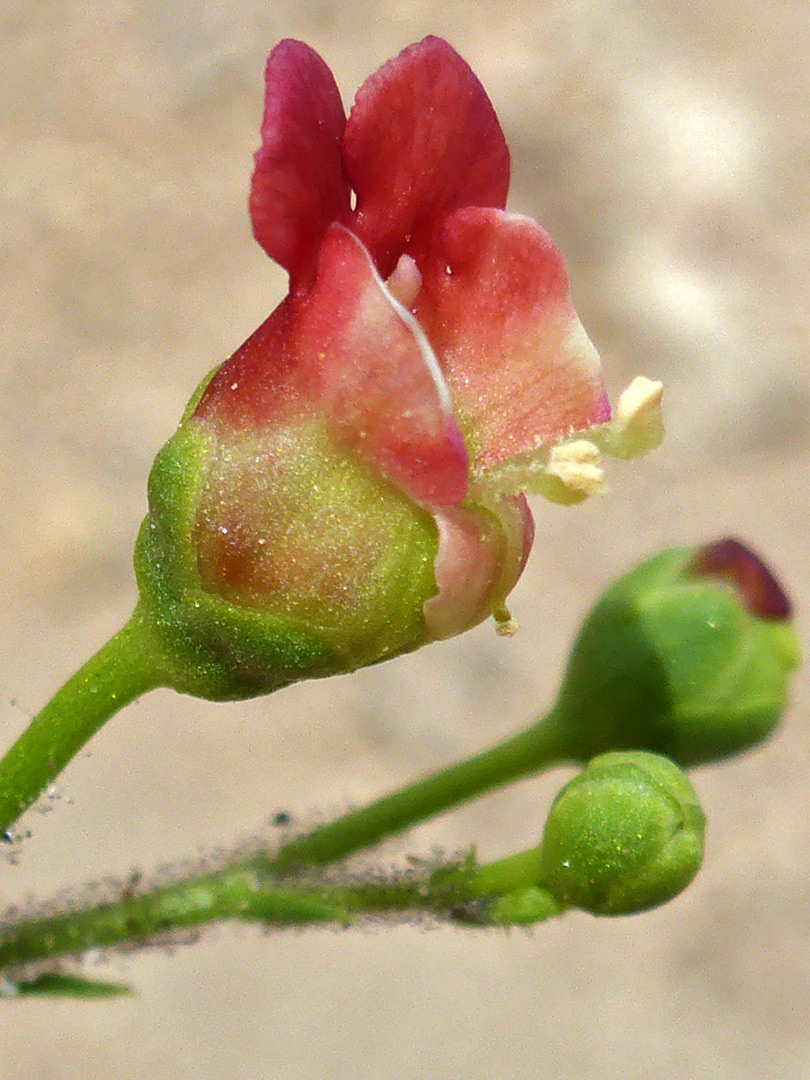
column 541, row 746
column 130, row 664
column 641, row 846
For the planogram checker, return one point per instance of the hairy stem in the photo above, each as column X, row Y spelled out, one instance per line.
column 542, row 745
column 242, row 893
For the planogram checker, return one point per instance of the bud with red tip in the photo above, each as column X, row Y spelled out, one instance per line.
column 689, row 655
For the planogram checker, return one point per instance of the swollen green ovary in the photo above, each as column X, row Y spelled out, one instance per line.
column 291, row 523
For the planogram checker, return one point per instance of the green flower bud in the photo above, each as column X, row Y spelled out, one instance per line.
column 688, row 655
column 623, row 836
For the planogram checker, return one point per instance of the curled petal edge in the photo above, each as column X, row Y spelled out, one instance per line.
column 481, row 554
column 367, row 362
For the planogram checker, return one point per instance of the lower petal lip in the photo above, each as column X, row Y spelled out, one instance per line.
column 481, row 555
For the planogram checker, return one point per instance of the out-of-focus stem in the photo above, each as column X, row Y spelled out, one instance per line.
column 242, row 893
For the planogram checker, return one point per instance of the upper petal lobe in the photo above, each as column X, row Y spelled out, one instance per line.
column 298, row 186
column 422, row 140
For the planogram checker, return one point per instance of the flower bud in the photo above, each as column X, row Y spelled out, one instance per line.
column 688, row 655
column 623, row 836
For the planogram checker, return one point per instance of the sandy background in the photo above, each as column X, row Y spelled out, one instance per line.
column 664, row 145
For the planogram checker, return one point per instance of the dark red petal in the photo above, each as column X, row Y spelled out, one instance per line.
column 298, row 185
column 758, row 589
column 422, row 140
column 365, row 364
column 496, row 307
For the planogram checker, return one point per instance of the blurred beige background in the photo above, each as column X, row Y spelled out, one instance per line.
column 665, row 146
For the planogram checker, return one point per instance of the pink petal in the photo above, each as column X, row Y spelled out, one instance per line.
column 298, row 185
column 496, row 308
column 348, row 354
column 364, row 362
column 422, row 140
column 467, row 567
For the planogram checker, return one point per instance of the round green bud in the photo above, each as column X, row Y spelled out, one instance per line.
column 623, row 836
column 688, row 655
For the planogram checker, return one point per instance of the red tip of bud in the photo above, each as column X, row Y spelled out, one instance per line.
column 759, row 590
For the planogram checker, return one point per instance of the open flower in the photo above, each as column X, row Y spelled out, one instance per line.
column 350, row 483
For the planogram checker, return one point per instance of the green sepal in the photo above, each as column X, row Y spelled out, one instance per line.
column 215, row 649
column 524, row 907
column 218, row 648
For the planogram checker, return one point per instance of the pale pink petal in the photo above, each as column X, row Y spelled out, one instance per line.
column 467, row 567
column 496, row 307
column 365, row 364
column 518, row 526
column 298, row 185
column 422, row 140
column 480, row 557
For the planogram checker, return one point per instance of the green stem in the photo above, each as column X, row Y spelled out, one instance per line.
column 211, row 898
column 127, row 666
column 513, row 872
column 544, row 744
column 242, row 893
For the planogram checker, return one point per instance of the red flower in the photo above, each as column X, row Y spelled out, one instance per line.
column 362, row 457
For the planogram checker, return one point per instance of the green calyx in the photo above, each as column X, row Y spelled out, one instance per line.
column 623, row 836
column 676, row 664
column 218, row 651
column 222, row 645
